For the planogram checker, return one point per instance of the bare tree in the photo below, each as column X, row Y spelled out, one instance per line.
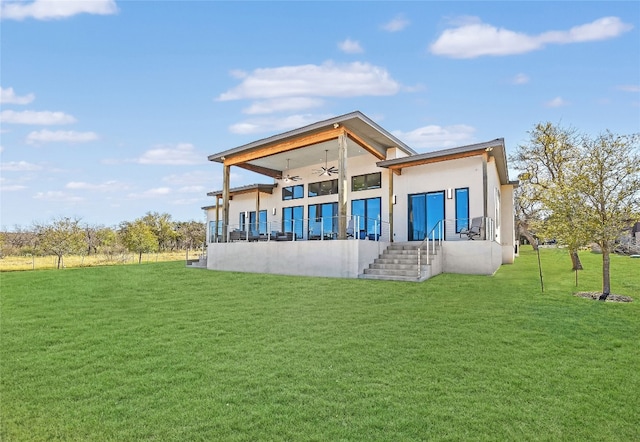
column 62, row 237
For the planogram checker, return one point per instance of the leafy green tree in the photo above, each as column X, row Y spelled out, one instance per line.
column 139, row 238
column 62, row 237
column 163, row 228
column 548, row 175
column 608, row 183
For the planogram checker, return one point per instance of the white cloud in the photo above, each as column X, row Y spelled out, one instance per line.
column 59, row 136
column 350, row 46
column 182, row 154
column 474, row 38
column 326, row 80
column 629, row 88
column 520, row 79
column 56, row 195
column 151, row 193
column 259, row 125
column 43, row 118
column 8, row 96
column 19, row 166
column 55, row 9
column 107, row 186
column 398, row 23
column 12, row 187
column 433, row 136
column 282, row 105
column 191, row 189
column 556, row 102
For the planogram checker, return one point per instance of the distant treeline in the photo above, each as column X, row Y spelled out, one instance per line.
column 154, row 232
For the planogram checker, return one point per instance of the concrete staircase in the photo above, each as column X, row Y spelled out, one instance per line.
column 399, row 262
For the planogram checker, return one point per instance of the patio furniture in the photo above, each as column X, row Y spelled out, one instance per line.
column 237, row 235
column 475, row 230
column 284, row 236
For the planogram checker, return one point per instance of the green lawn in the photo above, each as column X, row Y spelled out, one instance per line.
column 162, row 352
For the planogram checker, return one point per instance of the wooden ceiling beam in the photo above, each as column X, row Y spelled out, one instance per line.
column 261, row 170
column 366, row 146
column 283, row 146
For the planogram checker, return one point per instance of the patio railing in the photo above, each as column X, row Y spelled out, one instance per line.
column 305, row 229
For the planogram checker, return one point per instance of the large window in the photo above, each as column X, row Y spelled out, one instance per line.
column 329, row 187
column 462, row 209
column 292, row 220
column 293, row 192
column 323, row 220
column 212, row 230
column 368, row 181
column 366, row 213
column 259, row 225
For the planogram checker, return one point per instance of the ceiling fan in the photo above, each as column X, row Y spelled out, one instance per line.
column 326, row 170
column 288, row 178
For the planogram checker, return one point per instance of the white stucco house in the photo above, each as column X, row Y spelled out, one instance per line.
column 348, row 199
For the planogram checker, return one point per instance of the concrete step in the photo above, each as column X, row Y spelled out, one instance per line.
column 392, row 272
column 392, row 278
column 395, row 266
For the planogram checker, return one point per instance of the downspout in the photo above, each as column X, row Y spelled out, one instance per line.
column 391, row 205
column 485, row 190
column 215, row 235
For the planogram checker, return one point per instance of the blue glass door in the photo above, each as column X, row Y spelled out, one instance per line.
column 425, row 211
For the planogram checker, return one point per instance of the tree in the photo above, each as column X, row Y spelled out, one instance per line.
column 526, row 211
column 547, row 180
column 138, row 237
column 162, row 227
column 62, row 237
column 190, row 234
column 609, row 186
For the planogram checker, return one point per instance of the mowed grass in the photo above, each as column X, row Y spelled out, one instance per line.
column 163, row 352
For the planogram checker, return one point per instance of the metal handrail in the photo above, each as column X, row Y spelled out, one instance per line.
column 439, row 228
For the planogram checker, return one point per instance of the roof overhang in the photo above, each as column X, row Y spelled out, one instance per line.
column 311, row 145
column 494, row 148
column 251, row 188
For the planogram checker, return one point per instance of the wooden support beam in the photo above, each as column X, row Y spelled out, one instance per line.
column 273, row 173
column 225, row 201
column 366, row 146
column 342, row 185
column 284, row 146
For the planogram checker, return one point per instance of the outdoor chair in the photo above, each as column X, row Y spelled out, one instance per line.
column 474, row 231
column 350, row 229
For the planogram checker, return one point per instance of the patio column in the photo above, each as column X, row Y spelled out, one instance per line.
column 342, row 185
column 225, row 201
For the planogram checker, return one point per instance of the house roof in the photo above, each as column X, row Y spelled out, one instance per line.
column 264, row 188
column 494, row 148
column 269, row 156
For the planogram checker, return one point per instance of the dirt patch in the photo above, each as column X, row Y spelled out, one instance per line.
column 610, row 298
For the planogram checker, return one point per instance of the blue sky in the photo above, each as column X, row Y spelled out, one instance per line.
column 110, row 108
